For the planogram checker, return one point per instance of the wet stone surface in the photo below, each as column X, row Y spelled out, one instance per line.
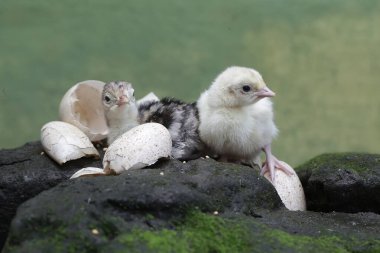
column 198, row 206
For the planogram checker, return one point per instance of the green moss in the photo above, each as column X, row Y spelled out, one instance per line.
column 274, row 240
column 281, row 241
column 198, row 232
column 352, row 161
column 58, row 240
column 195, row 232
column 109, row 226
column 201, row 232
column 328, row 244
column 149, row 216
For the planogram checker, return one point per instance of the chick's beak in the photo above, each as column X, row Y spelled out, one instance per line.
column 265, row 92
column 122, row 100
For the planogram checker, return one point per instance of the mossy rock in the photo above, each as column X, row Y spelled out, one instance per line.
column 27, row 171
column 197, row 232
column 134, row 197
column 201, row 232
column 344, row 182
column 200, row 206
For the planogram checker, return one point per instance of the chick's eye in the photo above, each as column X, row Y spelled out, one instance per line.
column 107, row 99
column 246, row 88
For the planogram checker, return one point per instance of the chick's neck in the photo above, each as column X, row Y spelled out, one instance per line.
column 122, row 116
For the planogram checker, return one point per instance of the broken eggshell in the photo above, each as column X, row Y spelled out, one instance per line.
column 81, row 106
column 88, row 171
column 64, row 142
column 290, row 190
column 141, row 146
column 149, row 97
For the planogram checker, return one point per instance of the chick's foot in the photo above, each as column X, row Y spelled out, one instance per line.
column 273, row 163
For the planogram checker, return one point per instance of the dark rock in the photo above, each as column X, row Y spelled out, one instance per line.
column 199, row 206
column 115, row 204
column 347, row 182
column 147, row 211
column 25, row 172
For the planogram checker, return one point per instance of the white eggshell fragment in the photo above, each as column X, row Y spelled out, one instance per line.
column 88, row 171
column 64, row 142
column 149, row 97
column 290, row 190
column 141, row 146
column 82, row 107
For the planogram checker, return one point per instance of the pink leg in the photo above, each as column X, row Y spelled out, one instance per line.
column 272, row 162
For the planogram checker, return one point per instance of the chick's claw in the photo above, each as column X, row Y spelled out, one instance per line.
column 273, row 163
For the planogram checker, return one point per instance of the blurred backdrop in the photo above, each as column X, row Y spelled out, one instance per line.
column 322, row 58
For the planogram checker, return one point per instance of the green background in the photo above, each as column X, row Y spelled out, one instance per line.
column 322, row 58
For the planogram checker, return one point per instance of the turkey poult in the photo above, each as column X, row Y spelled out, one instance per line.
column 120, row 108
column 181, row 119
column 236, row 119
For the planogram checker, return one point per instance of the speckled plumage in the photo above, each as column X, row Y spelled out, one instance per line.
column 181, row 119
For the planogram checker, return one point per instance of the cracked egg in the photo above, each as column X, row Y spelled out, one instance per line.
column 139, row 147
column 64, row 142
column 81, row 106
column 289, row 189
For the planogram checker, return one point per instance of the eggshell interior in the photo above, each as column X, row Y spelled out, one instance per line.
column 64, row 142
column 88, row 172
column 82, row 107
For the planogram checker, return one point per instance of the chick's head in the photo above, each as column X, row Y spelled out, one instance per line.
column 117, row 94
column 240, row 86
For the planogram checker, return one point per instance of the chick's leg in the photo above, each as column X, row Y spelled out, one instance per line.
column 272, row 162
